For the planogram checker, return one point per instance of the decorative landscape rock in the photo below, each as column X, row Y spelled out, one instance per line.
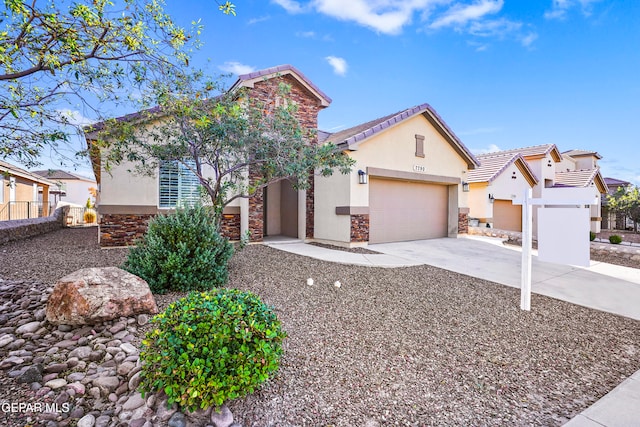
column 94, row 295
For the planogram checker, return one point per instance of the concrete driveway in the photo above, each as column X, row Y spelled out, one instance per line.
column 601, row 286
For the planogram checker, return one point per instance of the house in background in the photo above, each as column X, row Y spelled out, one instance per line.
column 612, row 220
column 70, row 187
column 19, row 191
column 407, row 183
column 494, row 185
column 571, row 169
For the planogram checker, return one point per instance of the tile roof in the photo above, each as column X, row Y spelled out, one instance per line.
column 60, row 174
column 352, row 137
column 581, row 178
column 578, row 153
column 536, row 150
column 615, row 182
column 492, row 165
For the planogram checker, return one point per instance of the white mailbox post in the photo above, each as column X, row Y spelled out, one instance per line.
column 555, row 218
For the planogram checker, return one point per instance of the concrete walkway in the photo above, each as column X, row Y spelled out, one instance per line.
column 600, row 286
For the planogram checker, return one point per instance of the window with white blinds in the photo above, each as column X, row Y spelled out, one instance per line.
column 178, row 185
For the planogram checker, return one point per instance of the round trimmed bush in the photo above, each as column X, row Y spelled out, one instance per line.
column 615, row 239
column 182, row 251
column 210, row 347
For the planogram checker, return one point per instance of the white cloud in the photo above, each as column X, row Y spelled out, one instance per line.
column 493, row 28
column 253, row 21
column 559, row 8
column 459, row 15
column 237, row 68
column 290, row 6
column 75, row 117
column 492, row 148
column 528, row 39
column 339, row 65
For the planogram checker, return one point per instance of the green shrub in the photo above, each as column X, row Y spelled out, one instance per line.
column 211, row 347
column 182, row 251
column 592, row 236
column 615, row 239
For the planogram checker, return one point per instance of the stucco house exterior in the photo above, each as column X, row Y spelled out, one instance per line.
column 552, row 169
column 494, row 185
column 70, row 187
column 407, row 182
column 19, row 193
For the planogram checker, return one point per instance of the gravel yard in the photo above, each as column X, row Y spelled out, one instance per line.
column 408, row 346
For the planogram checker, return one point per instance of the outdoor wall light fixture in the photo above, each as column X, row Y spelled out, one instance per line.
column 491, row 198
column 465, row 187
column 362, row 177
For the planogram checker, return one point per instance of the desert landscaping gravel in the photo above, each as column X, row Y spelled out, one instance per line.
column 409, row 346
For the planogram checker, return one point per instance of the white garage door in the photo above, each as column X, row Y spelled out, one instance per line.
column 401, row 210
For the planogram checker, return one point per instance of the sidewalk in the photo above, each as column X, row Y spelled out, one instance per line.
column 600, row 286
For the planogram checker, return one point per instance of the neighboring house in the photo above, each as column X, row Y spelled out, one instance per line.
column 19, row 193
column 406, row 184
column 574, row 168
column 70, row 188
column 611, row 220
column 494, row 185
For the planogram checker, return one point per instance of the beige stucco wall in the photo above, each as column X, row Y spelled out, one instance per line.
column 330, row 192
column 478, row 200
column 77, row 190
column 120, row 187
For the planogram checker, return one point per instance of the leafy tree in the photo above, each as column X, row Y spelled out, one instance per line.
column 234, row 144
column 56, row 53
column 626, row 200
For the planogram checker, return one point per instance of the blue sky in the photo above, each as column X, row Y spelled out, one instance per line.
column 501, row 73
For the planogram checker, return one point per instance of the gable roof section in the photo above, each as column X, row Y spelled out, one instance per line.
column 60, row 174
column 491, row 166
column 535, row 152
column 582, row 153
column 249, row 80
column 21, row 173
column 613, row 182
column 349, row 139
column 581, row 178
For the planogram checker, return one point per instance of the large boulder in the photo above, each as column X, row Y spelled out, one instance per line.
column 94, row 295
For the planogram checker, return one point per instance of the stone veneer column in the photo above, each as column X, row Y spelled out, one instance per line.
column 307, row 115
column 463, row 220
column 360, row 228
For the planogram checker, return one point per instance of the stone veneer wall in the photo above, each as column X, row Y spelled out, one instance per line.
column 463, row 223
column 360, row 228
column 122, row 229
column 307, row 114
column 230, row 226
column 24, row 228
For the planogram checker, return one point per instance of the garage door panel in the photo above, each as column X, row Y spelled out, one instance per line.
column 507, row 216
column 401, row 210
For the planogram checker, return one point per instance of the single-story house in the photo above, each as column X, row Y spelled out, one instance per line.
column 407, row 182
column 494, row 185
column 70, row 187
column 19, row 193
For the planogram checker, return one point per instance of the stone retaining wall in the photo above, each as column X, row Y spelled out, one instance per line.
column 24, row 228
